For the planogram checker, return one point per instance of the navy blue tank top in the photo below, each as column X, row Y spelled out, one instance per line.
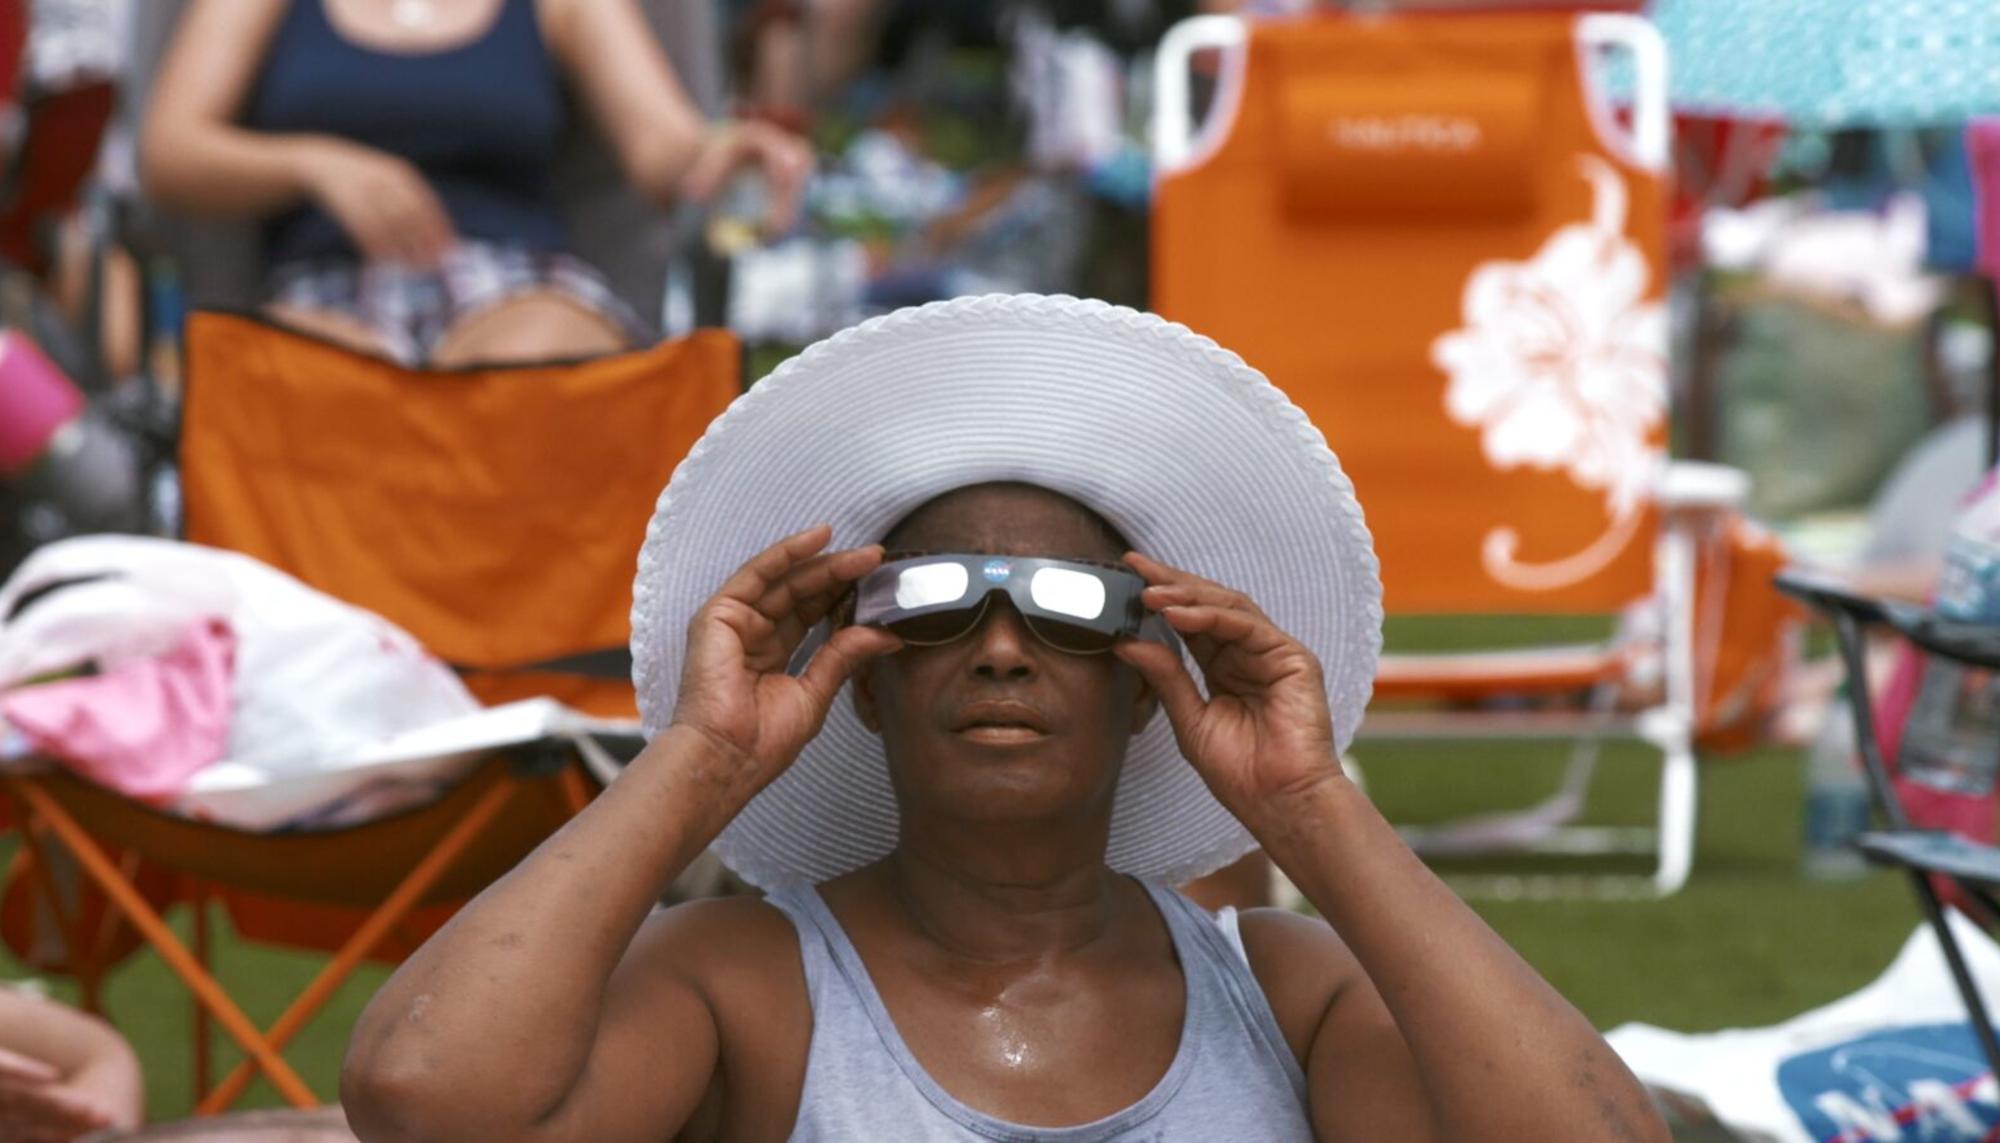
column 482, row 121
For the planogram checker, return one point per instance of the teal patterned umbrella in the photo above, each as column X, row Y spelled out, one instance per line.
column 1835, row 63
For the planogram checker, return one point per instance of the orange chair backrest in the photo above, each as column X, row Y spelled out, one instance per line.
column 496, row 514
column 1418, row 228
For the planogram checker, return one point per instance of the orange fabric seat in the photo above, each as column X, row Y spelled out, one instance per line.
column 355, row 867
column 479, row 494
column 494, row 513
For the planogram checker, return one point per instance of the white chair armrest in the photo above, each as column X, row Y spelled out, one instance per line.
column 1699, row 486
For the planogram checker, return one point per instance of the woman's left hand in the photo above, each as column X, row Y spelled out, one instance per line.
column 783, row 159
column 1264, row 732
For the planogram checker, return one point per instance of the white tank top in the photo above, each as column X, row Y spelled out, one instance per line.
column 1233, row 1076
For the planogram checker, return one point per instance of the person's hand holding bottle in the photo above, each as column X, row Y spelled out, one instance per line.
column 777, row 160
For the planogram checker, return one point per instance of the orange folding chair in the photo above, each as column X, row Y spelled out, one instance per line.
column 497, row 515
column 1430, row 232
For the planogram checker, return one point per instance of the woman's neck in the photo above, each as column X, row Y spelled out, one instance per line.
column 1014, row 908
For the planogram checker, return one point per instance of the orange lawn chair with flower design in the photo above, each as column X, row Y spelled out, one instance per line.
column 1432, row 234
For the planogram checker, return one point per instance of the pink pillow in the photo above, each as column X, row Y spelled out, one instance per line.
column 144, row 727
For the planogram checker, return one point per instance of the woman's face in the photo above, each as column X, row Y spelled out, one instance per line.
column 998, row 725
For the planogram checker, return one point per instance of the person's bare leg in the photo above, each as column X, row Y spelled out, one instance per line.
column 541, row 326
column 331, row 325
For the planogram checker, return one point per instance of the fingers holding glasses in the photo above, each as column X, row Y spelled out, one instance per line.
column 846, row 652
column 807, row 592
column 778, row 594
column 1170, row 589
column 735, row 683
column 765, row 569
column 1233, row 641
column 1237, row 651
column 1160, row 664
column 1168, row 586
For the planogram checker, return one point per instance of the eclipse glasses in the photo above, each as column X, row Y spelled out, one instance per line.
column 1075, row 606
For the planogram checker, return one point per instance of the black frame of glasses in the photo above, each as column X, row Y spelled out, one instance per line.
column 1123, row 587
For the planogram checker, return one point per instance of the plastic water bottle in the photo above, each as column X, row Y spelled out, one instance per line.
column 736, row 220
column 1951, row 740
column 1836, row 800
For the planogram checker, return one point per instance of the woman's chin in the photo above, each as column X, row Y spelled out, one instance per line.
column 1022, row 787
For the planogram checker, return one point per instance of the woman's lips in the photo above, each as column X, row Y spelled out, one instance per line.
column 1000, row 723
column 987, row 734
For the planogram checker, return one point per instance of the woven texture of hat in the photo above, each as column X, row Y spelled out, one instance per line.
column 1190, row 453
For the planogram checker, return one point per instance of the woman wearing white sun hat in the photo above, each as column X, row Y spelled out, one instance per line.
column 964, row 936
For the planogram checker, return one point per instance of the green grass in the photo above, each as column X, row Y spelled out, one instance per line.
column 1746, row 943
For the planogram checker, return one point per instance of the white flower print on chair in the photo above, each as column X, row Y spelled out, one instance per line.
column 1561, row 364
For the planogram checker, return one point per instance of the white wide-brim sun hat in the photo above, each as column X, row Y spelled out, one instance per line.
column 1190, row 453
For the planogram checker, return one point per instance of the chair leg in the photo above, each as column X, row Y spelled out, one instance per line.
column 1541, row 827
column 98, row 961
column 575, row 795
column 1674, row 731
column 378, row 925
column 128, row 900
column 35, row 854
column 1671, row 841
column 70, row 929
column 1678, row 800
column 1954, row 958
column 197, row 895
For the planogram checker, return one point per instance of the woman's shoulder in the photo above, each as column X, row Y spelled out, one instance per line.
column 721, row 936
column 1301, row 964
column 740, row 955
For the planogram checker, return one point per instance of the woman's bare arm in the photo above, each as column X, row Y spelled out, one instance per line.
column 664, row 145
column 1442, row 1008
column 194, row 155
column 497, row 1028
column 1442, row 1030
column 526, row 1018
column 630, row 88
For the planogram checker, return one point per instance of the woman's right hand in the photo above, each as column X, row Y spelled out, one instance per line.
column 734, row 687
column 382, row 202
column 35, row 1107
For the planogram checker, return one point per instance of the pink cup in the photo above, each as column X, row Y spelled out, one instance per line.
column 35, row 400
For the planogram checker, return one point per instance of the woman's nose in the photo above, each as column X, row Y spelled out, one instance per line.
column 1001, row 643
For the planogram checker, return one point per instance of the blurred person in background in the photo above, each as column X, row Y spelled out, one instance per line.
column 399, row 152
column 63, row 1074
column 969, row 146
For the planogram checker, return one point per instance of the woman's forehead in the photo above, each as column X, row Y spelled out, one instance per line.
column 1009, row 519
